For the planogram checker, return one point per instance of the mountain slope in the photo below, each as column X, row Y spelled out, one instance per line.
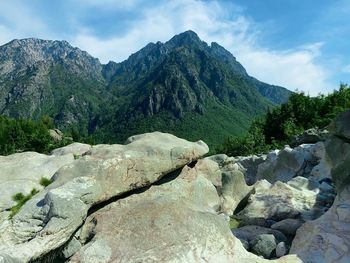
column 40, row 77
column 187, row 88
column 182, row 86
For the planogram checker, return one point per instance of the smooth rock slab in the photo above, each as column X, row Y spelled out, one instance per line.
column 75, row 148
column 21, row 172
column 282, row 200
column 173, row 222
column 49, row 220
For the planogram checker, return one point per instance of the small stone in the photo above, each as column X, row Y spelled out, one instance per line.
column 281, row 249
column 263, row 245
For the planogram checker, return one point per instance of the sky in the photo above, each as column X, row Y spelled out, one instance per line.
column 298, row 44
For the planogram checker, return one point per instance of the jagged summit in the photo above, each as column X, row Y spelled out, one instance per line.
column 186, row 38
column 182, row 86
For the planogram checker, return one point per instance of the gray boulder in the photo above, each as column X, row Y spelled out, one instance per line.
column 282, row 200
column 248, row 233
column 263, row 245
column 281, row 165
column 21, row 172
column 281, row 249
column 249, row 166
column 56, row 134
column 312, row 135
column 338, row 158
column 287, row 226
column 50, row 218
column 174, row 222
column 341, row 125
column 230, row 182
column 326, row 239
column 76, row 148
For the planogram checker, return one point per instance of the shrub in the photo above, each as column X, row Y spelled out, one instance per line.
column 44, row 181
column 21, row 199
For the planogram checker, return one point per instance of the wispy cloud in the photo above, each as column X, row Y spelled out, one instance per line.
column 219, row 21
column 295, row 68
column 108, row 4
column 19, row 20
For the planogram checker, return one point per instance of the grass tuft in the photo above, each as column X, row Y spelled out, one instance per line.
column 21, row 199
column 44, row 181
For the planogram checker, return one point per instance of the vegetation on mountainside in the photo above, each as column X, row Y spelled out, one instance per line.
column 26, row 135
column 184, row 86
column 21, row 199
column 279, row 125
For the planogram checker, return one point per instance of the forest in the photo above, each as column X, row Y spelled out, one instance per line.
column 281, row 124
column 273, row 130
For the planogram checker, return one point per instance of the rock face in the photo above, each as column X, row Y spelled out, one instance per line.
column 327, row 238
column 48, row 220
column 21, row 172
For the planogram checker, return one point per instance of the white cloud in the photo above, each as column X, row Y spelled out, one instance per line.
column 108, row 4
column 295, row 69
column 19, row 21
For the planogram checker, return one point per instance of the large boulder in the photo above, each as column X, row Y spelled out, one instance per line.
column 338, row 158
column 228, row 179
column 278, row 201
column 304, row 160
column 341, row 125
column 249, row 166
column 288, row 226
column 312, row 135
column 76, row 148
column 281, row 165
column 50, row 218
column 249, row 233
column 22, row 172
column 174, row 222
column 326, row 239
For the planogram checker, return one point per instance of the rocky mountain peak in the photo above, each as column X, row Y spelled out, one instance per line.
column 186, row 38
column 21, row 53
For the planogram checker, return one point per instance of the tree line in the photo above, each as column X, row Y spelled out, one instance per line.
column 279, row 125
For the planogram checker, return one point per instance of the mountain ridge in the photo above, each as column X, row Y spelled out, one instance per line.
column 177, row 81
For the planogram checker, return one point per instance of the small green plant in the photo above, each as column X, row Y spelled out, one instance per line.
column 44, row 181
column 234, row 223
column 21, row 199
column 76, row 156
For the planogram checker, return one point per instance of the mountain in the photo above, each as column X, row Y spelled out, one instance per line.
column 183, row 86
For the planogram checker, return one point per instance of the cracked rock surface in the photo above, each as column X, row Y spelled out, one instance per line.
column 51, row 217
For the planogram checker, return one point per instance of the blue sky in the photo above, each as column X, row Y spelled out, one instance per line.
column 298, row 44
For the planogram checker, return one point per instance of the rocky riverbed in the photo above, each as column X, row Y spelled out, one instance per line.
column 157, row 198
